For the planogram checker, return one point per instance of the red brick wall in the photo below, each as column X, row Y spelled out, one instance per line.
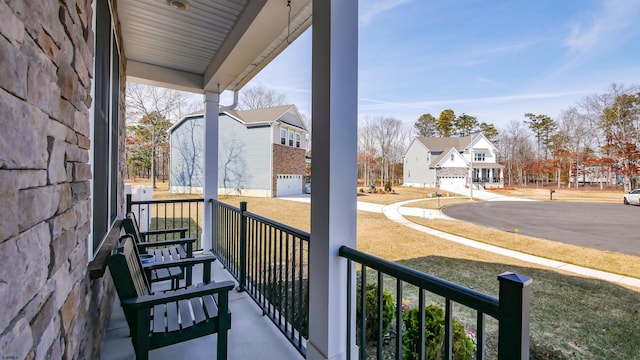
column 286, row 160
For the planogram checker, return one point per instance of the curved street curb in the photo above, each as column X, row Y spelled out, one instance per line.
column 393, row 213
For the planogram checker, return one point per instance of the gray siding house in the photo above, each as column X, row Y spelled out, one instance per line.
column 447, row 162
column 260, row 152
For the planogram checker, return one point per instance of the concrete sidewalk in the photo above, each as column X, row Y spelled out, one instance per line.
column 483, row 194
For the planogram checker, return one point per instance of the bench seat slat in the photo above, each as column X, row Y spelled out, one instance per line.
column 198, row 311
column 166, row 255
column 186, row 319
column 172, row 317
column 159, row 318
column 173, row 251
column 181, row 252
column 210, row 306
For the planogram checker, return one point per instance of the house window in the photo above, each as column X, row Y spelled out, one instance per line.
column 290, row 138
column 478, row 157
column 283, row 137
column 297, row 140
column 105, row 126
column 451, row 157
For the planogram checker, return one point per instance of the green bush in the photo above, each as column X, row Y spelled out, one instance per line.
column 371, row 311
column 463, row 347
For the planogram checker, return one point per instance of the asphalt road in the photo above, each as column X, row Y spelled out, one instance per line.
column 612, row 227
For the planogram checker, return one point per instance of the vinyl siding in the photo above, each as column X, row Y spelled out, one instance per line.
column 187, row 157
column 244, row 160
column 416, row 166
column 243, row 156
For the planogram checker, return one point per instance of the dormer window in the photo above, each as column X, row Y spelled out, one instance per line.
column 451, row 157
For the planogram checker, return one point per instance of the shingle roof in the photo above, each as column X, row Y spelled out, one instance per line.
column 259, row 116
column 445, row 143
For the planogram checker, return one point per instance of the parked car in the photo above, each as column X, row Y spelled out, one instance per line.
column 633, row 197
column 307, row 188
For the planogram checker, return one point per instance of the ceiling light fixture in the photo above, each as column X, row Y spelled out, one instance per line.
column 178, row 4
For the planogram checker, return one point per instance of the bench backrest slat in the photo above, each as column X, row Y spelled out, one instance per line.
column 126, row 270
column 131, row 227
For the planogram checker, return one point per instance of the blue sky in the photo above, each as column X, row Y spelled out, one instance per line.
column 495, row 60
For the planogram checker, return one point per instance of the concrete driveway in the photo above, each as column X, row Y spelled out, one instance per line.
column 611, row 227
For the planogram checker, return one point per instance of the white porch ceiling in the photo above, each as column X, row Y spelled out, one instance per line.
column 213, row 43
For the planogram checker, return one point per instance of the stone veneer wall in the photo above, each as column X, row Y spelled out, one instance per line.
column 286, row 160
column 50, row 307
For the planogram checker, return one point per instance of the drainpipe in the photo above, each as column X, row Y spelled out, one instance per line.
column 233, row 104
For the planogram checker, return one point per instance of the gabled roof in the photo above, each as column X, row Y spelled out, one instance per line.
column 268, row 115
column 437, row 159
column 445, row 143
column 287, row 114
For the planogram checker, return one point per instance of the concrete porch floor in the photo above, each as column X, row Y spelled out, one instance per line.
column 252, row 336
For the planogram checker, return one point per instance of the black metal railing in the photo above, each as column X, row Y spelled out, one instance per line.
column 270, row 261
column 169, row 214
column 396, row 336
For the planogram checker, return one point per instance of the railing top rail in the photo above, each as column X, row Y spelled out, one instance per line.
column 460, row 294
column 299, row 233
column 220, row 203
column 170, row 201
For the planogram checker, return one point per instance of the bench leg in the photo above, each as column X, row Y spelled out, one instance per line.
column 141, row 341
column 224, row 321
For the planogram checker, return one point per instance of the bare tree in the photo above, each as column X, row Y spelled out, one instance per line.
column 577, row 130
column 171, row 104
column 617, row 114
column 260, row 97
column 367, row 150
column 515, row 151
column 154, row 108
column 382, row 142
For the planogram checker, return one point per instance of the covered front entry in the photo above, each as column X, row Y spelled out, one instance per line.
column 288, row 185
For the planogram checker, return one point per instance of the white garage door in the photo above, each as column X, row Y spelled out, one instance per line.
column 452, row 181
column 289, row 185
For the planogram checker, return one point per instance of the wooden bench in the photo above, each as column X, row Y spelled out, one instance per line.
column 162, row 319
column 164, row 251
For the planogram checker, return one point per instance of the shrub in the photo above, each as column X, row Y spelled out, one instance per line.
column 463, row 347
column 387, row 186
column 371, row 311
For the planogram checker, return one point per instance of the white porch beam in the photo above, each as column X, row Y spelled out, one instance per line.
column 333, row 200
column 210, row 191
column 164, row 77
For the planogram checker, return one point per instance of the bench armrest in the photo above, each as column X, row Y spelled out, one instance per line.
column 146, row 244
column 148, row 301
column 181, row 262
column 164, row 231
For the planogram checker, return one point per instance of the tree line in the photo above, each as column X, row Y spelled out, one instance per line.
column 596, row 138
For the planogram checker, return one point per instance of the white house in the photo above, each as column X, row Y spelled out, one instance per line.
column 447, row 162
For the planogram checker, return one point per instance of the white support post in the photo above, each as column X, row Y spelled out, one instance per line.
column 333, row 200
column 210, row 191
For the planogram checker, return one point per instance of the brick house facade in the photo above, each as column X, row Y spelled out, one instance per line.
column 287, row 160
